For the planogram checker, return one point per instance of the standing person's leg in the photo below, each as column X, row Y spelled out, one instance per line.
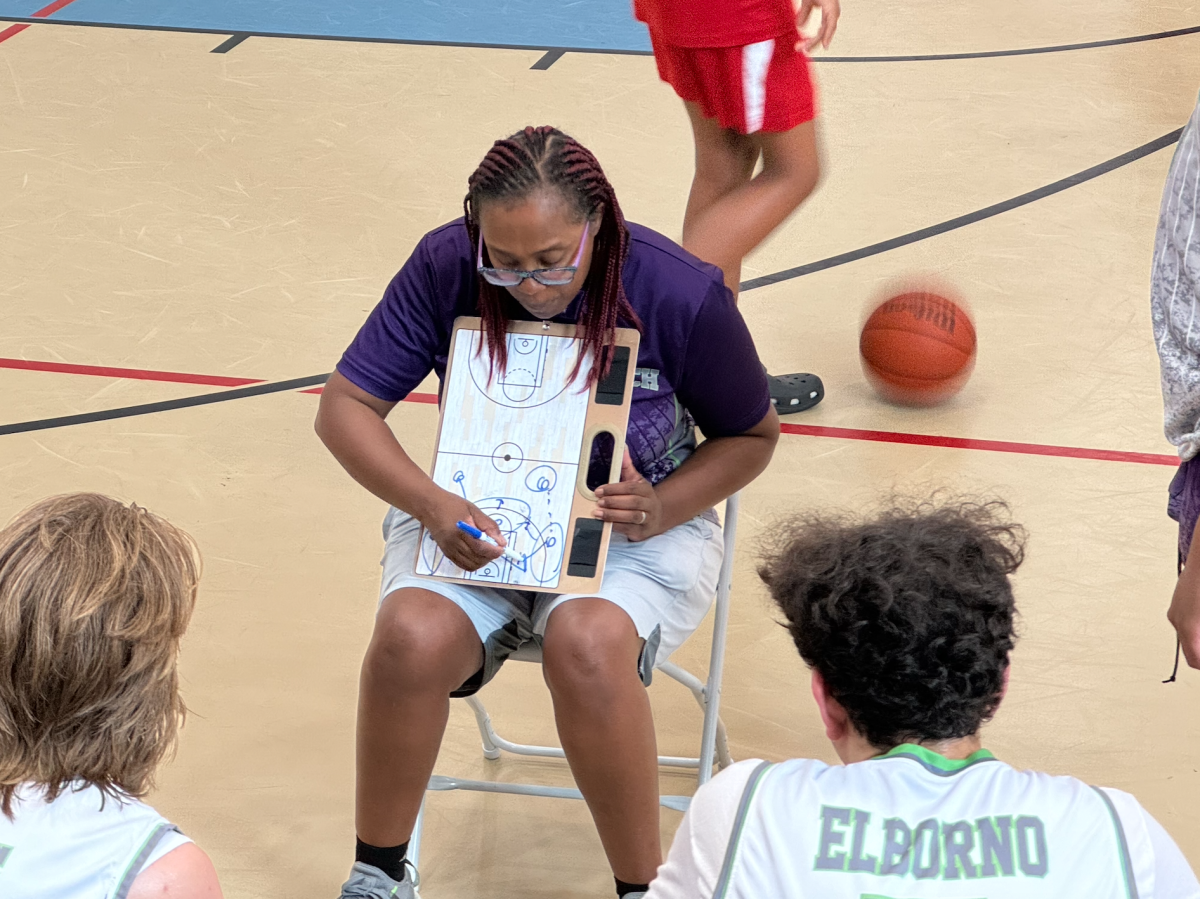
column 730, row 211
column 725, row 162
column 747, row 104
column 1184, row 611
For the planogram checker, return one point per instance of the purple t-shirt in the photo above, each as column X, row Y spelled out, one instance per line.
column 696, row 364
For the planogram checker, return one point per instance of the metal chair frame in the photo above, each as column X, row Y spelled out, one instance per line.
column 713, row 742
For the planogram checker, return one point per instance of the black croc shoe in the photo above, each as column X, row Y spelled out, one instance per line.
column 795, row 393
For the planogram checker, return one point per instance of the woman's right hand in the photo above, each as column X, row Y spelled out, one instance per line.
column 352, row 423
column 460, row 547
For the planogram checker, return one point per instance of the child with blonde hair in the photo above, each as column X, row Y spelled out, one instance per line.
column 94, row 599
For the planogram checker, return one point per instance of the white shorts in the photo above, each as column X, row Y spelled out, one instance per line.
column 665, row 584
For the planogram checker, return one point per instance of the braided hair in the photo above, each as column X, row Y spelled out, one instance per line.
column 545, row 158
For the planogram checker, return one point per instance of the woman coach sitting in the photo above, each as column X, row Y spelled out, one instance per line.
column 544, row 239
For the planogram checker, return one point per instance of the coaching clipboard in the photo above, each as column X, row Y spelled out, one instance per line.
column 517, row 444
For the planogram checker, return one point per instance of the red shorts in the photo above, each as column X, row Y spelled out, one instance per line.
column 759, row 87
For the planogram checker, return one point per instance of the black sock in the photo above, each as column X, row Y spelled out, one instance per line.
column 389, row 860
column 623, row 888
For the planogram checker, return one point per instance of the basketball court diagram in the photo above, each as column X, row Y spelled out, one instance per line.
column 522, row 384
column 513, row 449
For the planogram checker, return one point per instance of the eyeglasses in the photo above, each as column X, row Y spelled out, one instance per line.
column 550, row 277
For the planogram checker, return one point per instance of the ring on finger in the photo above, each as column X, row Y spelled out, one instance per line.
column 642, row 520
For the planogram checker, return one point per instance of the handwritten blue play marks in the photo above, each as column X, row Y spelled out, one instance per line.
column 505, row 554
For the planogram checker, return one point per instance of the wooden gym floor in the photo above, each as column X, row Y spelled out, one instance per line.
column 176, row 221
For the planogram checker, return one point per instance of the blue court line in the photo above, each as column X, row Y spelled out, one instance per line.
column 579, row 26
column 300, row 36
column 584, row 24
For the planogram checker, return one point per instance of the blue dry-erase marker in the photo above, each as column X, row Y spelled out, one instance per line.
column 506, row 554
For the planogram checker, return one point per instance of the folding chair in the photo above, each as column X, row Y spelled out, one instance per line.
column 713, row 743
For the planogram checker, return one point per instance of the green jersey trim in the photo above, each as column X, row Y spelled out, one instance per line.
column 739, row 823
column 934, row 763
column 1131, row 889
column 125, row 884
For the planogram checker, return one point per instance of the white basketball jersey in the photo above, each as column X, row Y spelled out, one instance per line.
column 912, row 823
column 72, row 847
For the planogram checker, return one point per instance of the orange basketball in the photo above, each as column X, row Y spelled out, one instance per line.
column 918, row 348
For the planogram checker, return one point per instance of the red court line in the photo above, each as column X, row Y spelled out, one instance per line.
column 994, row 446
column 51, row 9
column 135, row 374
column 44, row 12
column 430, row 398
column 172, row 377
column 11, row 31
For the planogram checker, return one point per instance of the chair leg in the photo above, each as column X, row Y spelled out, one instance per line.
column 414, row 842
column 699, row 690
column 724, row 759
column 486, row 732
column 685, row 677
column 716, row 663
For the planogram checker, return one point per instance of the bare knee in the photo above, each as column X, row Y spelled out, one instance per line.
column 725, row 159
column 589, row 650
column 792, row 161
column 805, row 178
column 725, row 162
column 421, row 644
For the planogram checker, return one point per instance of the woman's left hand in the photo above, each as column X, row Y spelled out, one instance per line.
column 631, row 504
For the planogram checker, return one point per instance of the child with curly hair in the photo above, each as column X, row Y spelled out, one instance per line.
column 94, row 598
column 906, row 620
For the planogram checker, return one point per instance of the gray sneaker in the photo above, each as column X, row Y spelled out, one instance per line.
column 368, row 882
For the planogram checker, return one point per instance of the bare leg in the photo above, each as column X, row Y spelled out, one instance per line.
column 725, row 162
column 590, row 656
column 729, row 212
column 424, row 646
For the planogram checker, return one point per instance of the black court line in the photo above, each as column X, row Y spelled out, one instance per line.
column 549, row 59
column 234, row 40
column 203, row 399
column 1024, row 51
column 970, row 218
column 349, row 38
column 490, row 456
column 787, row 274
